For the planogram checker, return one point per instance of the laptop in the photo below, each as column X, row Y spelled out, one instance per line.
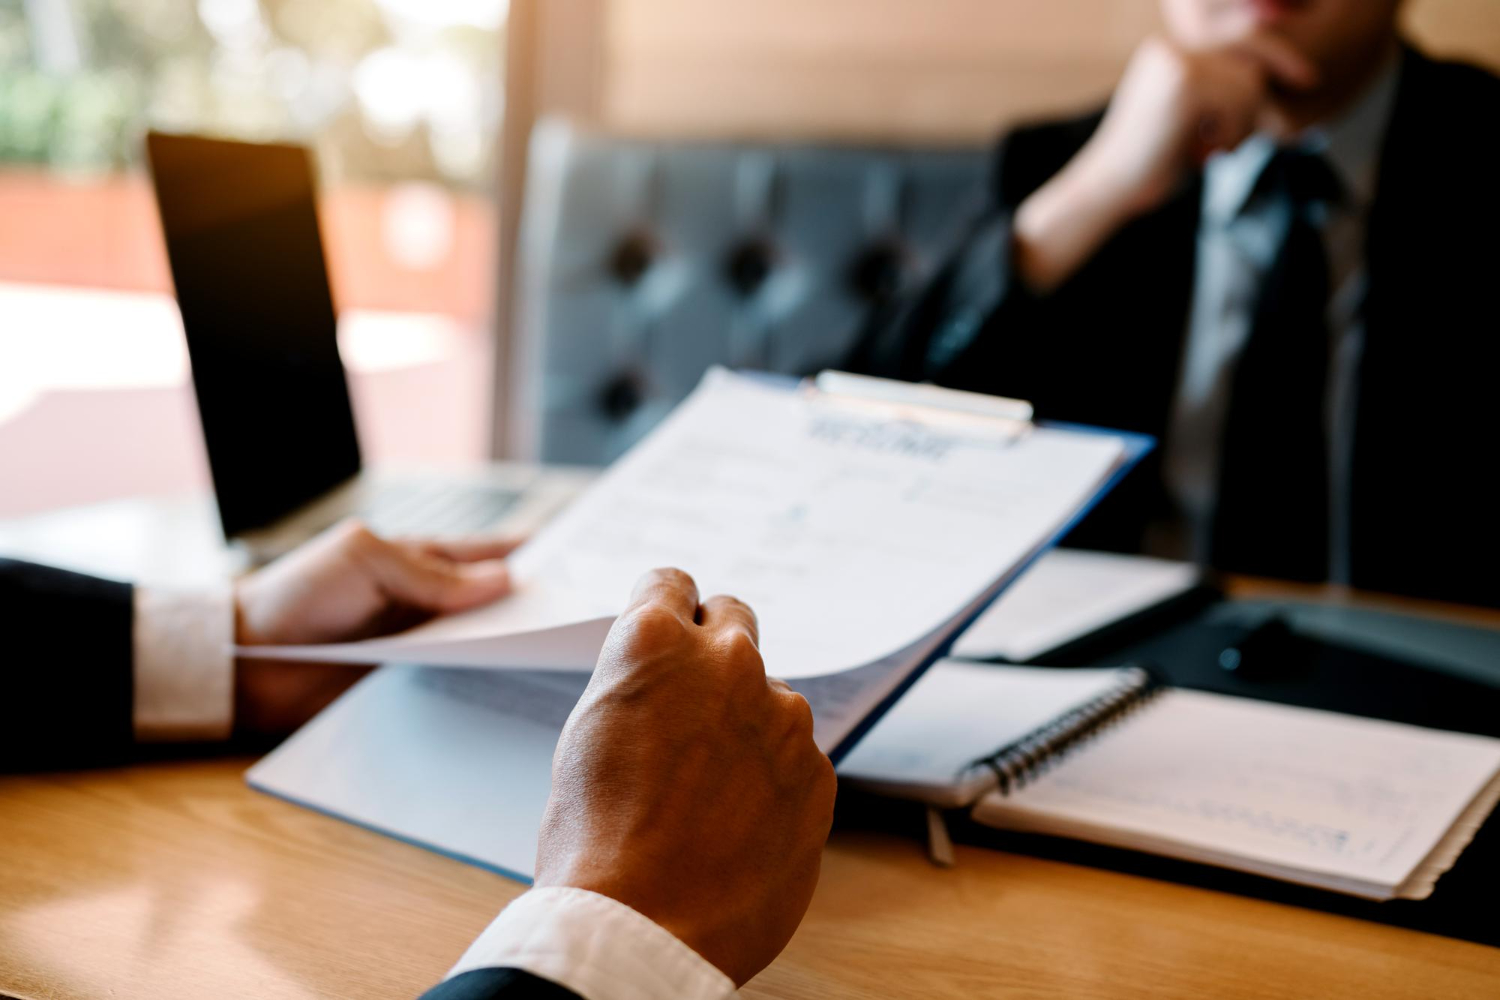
column 246, row 253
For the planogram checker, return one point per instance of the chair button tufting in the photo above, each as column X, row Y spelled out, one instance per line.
column 879, row 271
column 632, row 257
column 749, row 264
column 622, row 396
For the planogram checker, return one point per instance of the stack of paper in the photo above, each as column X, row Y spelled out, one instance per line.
column 863, row 543
column 865, row 538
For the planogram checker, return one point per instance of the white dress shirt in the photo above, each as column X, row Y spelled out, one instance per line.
column 595, row 946
column 1238, row 237
column 182, row 646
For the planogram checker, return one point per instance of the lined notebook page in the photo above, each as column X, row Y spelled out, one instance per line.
column 1352, row 804
column 960, row 711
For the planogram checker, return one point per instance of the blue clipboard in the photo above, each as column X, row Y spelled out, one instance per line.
column 1136, row 447
column 388, row 711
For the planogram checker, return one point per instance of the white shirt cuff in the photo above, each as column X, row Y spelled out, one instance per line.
column 183, row 647
column 595, row 946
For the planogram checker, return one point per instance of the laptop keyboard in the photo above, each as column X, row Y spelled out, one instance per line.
column 436, row 509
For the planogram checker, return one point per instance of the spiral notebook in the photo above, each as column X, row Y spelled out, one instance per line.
column 1374, row 809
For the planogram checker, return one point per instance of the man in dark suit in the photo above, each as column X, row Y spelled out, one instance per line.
column 1274, row 251
column 689, row 806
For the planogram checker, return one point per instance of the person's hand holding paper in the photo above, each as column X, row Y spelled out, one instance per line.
column 864, row 535
column 686, row 783
column 345, row 585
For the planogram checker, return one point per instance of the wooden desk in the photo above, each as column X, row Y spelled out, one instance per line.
column 175, row 880
column 178, row 881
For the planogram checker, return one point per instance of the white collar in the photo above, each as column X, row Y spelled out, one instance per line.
column 1351, row 144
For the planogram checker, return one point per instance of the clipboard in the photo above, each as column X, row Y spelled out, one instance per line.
column 389, row 756
column 1012, row 419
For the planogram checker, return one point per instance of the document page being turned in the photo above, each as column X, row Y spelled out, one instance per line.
column 855, row 535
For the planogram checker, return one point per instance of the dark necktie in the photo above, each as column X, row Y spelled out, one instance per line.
column 1273, row 501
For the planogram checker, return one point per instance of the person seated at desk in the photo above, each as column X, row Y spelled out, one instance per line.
column 1274, row 251
column 689, row 807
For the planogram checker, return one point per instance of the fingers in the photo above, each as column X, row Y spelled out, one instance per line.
column 797, row 711
column 466, row 550
column 1226, row 126
column 731, row 627
column 1229, row 93
column 1282, row 61
column 724, row 613
column 414, row 578
column 669, row 588
column 663, row 629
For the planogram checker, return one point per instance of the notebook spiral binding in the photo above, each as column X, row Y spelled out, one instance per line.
column 1022, row 761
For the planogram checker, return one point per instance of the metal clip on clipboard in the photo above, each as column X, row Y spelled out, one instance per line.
column 951, row 409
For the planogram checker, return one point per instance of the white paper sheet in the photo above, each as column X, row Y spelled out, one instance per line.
column 850, row 535
column 1068, row 594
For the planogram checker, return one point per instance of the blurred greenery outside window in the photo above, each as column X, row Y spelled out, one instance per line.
column 386, row 90
column 401, row 101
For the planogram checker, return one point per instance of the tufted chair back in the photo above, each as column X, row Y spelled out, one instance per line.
column 642, row 263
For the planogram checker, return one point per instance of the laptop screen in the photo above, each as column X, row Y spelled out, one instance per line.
column 242, row 237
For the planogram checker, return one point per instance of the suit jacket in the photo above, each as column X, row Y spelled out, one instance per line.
column 487, row 984
column 65, row 676
column 65, row 682
column 1106, row 346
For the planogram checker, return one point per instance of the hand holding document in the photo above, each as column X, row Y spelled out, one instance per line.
column 861, row 539
column 850, row 536
column 865, row 533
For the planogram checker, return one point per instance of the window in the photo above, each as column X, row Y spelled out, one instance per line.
column 401, row 101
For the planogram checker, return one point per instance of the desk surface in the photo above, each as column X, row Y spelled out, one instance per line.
column 175, row 880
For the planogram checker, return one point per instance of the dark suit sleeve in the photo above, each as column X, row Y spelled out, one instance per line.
column 935, row 332
column 512, row 984
column 1103, row 348
column 65, row 673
